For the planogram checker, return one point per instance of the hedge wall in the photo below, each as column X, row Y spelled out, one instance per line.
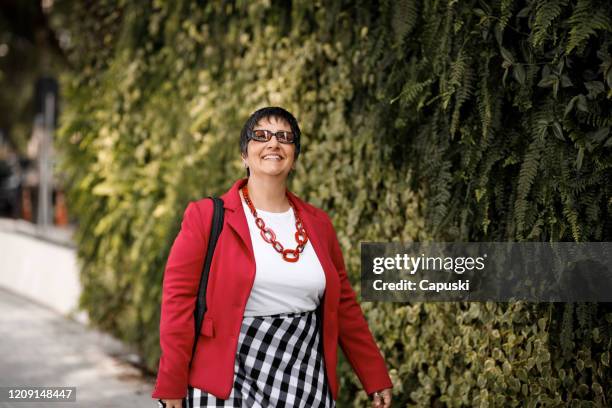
column 422, row 120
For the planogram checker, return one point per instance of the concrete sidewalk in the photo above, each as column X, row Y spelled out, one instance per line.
column 39, row 347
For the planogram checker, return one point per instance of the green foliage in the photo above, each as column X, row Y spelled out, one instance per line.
column 429, row 120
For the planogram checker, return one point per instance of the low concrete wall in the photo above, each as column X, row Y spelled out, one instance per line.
column 41, row 264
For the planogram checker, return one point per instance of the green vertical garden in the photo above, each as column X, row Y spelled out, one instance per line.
column 422, row 120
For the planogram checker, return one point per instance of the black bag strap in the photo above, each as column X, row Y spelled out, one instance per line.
column 215, row 231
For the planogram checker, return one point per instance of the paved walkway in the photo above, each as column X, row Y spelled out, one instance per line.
column 39, row 347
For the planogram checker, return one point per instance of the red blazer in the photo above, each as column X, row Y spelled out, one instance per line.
column 232, row 273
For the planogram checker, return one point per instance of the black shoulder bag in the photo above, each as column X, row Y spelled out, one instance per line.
column 215, row 230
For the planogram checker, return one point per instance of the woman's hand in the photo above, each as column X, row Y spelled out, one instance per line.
column 382, row 399
column 173, row 403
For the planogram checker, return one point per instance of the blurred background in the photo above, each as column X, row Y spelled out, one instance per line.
column 422, row 120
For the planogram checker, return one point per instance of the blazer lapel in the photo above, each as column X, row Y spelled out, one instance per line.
column 235, row 217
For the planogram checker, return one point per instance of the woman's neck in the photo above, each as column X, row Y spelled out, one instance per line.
column 268, row 194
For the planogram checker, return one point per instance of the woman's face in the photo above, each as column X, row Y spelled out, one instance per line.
column 271, row 158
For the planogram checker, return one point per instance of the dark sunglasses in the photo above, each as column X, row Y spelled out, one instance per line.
column 263, row 135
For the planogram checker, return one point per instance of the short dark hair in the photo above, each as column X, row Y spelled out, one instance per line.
column 269, row 112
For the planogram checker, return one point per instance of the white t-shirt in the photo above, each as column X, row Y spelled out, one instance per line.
column 281, row 286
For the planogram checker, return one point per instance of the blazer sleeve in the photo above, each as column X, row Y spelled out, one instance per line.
column 179, row 290
column 354, row 335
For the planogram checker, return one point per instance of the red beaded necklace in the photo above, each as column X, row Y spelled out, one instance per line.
column 289, row 255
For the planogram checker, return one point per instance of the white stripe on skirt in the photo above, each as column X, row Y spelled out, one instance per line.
column 279, row 363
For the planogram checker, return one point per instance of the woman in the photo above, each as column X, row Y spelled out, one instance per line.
column 279, row 300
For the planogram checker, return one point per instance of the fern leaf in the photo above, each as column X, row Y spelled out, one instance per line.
column 546, row 12
column 529, row 168
column 411, row 91
column 485, row 109
column 571, row 215
column 527, row 175
column 585, row 20
column 506, row 13
column 463, row 94
column 403, row 20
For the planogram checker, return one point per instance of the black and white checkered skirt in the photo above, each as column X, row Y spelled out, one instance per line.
column 279, row 363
